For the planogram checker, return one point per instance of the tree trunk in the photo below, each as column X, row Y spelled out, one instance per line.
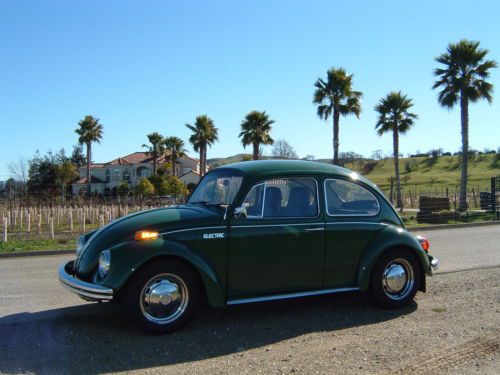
column 399, row 202
column 174, row 158
column 201, row 161
column 89, row 158
column 155, row 157
column 464, row 112
column 205, row 158
column 336, row 118
column 255, row 151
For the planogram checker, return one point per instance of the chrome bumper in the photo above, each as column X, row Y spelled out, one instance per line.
column 88, row 291
column 434, row 263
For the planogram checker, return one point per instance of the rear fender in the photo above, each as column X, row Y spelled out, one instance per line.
column 389, row 238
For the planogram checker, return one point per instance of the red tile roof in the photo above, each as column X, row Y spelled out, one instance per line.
column 134, row 158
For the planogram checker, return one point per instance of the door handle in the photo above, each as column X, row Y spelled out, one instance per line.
column 317, row 229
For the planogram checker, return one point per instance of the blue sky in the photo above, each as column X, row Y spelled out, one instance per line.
column 143, row 66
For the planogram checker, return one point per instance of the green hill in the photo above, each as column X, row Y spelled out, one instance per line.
column 418, row 174
column 433, row 174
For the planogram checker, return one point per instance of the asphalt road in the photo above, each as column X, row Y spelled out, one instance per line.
column 46, row 329
column 465, row 248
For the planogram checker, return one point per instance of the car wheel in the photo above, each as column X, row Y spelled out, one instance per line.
column 395, row 279
column 162, row 297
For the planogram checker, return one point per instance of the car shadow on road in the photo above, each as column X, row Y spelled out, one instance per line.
column 96, row 338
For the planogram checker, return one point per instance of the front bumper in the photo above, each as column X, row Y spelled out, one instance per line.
column 87, row 291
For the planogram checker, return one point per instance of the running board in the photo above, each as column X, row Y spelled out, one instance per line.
column 290, row 295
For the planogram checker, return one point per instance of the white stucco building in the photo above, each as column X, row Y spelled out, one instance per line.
column 132, row 168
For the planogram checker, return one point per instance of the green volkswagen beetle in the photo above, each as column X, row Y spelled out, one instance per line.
column 253, row 231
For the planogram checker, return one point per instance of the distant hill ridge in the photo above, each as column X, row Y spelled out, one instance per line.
column 434, row 172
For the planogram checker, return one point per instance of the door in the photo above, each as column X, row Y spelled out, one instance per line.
column 352, row 221
column 279, row 246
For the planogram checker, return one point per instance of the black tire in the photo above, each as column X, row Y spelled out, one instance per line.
column 158, row 288
column 395, row 279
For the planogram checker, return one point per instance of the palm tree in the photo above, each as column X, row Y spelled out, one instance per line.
column 255, row 130
column 394, row 116
column 156, row 149
column 336, row 97
column 89, row 131
column 204, row 135
column 174, row 146
column 463, row 79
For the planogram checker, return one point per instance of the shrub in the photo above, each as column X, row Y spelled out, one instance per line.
column 495, row 163
column 144, row 187
column 368, row 167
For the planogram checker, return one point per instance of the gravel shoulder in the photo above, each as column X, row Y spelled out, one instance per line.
column 454, row 329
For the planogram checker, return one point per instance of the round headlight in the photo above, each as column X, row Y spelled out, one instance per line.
column 104, row 263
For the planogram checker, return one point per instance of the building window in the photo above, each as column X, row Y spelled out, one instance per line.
column 126, row 175
column 108, row 175
column 116, row 174
column 143, row 172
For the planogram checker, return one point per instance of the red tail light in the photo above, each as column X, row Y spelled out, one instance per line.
column 424, row 242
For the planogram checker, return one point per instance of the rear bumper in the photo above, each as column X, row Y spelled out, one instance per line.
column 434, row 262
column 87, row 291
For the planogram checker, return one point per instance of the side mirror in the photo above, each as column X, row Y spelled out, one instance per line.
column 240, row 212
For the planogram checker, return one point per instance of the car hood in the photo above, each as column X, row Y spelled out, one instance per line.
column 123, row 230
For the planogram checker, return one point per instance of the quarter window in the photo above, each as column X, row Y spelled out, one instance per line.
column 344, row 198
column 282, row 198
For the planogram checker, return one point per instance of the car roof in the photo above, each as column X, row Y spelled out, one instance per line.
column 261, row 168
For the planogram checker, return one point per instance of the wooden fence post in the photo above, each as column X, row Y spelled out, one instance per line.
column 4, row 229
column 52, row 227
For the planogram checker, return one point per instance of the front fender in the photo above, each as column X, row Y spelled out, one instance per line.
column 128, row 257
column 390, row 237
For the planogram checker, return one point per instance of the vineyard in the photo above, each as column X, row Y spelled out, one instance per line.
column 56, row 226
column 26, row 227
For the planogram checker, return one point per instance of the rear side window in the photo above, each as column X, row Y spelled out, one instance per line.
column 282, row 198
column 344, row 198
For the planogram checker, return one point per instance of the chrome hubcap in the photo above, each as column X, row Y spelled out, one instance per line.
column 398, row 279
column 164, row 298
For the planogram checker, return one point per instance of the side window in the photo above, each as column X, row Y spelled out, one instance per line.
column 254, row 201
column 282, row 198
column 344, row 198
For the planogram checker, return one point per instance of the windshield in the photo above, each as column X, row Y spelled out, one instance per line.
column 218, row 188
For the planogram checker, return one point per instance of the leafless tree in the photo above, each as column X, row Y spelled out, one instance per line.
column 377, row 155
column 283, row 150
column 19, row 170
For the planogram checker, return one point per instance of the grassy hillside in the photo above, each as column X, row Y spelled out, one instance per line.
column 418, row 174
column 434, row 173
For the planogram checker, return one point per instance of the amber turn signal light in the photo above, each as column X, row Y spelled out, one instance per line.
column 424, row 242
column 145, row 235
